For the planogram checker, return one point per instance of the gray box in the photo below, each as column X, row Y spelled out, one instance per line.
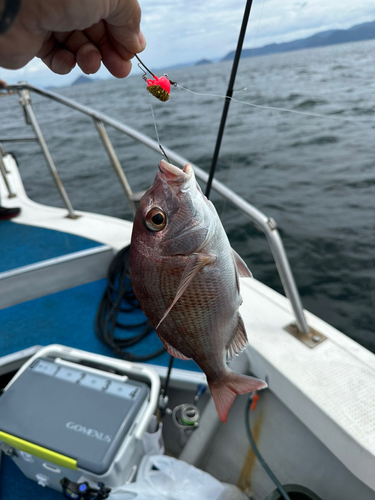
column 73, row 412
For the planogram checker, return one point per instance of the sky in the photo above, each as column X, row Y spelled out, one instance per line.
column 185, row 31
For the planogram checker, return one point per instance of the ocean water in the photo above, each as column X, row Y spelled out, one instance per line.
column 314, row 175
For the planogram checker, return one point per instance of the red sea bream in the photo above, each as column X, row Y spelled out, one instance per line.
column 185, row 276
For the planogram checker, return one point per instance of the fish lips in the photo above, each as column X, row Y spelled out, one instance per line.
column 178, row 180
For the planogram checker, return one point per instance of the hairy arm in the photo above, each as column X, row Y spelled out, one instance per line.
column 64, row 33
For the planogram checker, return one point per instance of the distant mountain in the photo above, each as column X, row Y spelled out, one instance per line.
column 202, row 62
column 83, row 79
column 360, row 32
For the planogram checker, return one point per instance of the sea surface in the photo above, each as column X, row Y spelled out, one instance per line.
column 314, row 175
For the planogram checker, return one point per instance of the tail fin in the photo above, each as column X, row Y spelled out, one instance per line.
column 224, row 391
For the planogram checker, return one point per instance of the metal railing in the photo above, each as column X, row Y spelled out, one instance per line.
column 266, row 224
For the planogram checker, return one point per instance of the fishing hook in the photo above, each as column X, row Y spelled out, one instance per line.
column 164, row 153
column 144, row 76
column 145, row 67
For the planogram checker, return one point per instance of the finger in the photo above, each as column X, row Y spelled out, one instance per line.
column 119, row 67
column 100, row 36
column 61, row 61
column 34, row 26
column 47, row 47
column 88, row 56
column 121, row 49
column 124, row 27
column 116, row 64
column 58, row 59
column 126, row 43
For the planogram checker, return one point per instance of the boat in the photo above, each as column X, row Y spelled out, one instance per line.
column 314, row 425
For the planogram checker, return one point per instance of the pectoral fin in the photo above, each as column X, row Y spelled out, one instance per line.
column 198, row 261
column 243, row 270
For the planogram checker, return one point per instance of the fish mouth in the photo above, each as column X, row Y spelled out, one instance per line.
column 175, row 174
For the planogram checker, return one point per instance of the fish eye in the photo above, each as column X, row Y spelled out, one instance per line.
column 156, row 219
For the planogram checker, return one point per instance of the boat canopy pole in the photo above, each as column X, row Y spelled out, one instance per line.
column 229, row 95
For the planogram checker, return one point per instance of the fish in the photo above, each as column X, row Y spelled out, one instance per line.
column 185, row 276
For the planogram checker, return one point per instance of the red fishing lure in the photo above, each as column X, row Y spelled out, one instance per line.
column 159, row 87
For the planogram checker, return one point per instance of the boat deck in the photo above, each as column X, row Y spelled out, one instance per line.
column 65, row 317
column 22, row 245
column 330, row 388
column 68, row 318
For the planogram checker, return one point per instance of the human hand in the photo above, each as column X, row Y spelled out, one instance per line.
column 64, row 33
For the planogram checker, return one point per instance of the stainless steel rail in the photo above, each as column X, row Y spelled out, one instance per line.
column 11, row 193
column 31, row 119
column 115, row 162
column 19, row 139
column 266, row 224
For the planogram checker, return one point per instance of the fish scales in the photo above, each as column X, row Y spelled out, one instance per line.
column 188, row 313
column 185, row 277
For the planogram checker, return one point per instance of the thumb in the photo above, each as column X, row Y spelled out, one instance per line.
column 123, row 25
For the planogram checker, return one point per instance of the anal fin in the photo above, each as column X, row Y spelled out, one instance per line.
column 173, row 351
column 238, row 342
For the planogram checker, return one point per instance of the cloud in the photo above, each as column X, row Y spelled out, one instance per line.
column 290, row 20
column 181, row 31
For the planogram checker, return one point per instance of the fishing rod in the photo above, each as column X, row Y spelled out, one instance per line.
column 229, row 94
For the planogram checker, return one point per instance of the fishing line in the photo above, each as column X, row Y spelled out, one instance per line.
column 284, row 110
column 144, row 68
column 256, row 35
column 156, row 130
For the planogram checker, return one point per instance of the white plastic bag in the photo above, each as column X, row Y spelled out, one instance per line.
column 165, row 478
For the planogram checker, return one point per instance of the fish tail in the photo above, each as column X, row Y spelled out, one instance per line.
column 224, row 391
